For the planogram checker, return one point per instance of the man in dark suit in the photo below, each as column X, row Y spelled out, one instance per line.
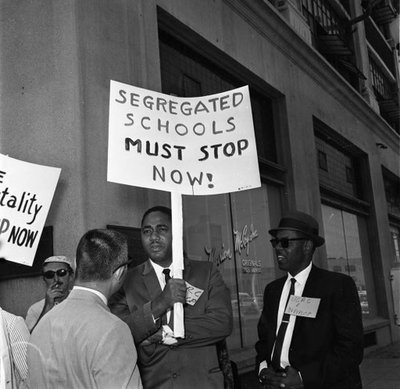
column 146, row 304
column 320, row 344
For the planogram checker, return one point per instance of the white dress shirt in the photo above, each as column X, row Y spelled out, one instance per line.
column 301, row 279
column 159, row 272
column 161, row 279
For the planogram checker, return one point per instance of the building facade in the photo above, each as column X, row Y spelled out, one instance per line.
column 324, row 85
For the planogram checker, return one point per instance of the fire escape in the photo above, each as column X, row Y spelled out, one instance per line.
column 330, row 26
column 383, row 60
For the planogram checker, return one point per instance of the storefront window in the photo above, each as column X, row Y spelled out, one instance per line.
column 232, row 231
column 396, row 243
column 343, row 247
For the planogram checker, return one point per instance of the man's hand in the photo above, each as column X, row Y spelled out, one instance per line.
column 291, row 379
column 288, row 379
column 269, row 378
column 54, row 294
column 174, row 292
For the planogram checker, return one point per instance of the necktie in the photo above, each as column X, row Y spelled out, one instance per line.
column 276, row 356
column 167, row 276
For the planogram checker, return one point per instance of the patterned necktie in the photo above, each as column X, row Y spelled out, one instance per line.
column 276, row 356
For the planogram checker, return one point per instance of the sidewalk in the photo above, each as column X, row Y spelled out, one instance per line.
column 380, row 369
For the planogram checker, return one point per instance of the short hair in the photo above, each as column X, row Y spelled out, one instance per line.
column 99, row 252
column 157, row 208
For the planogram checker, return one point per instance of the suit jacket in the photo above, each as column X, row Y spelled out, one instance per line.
column 192, row 362
column 80, row 344
column 328, row 349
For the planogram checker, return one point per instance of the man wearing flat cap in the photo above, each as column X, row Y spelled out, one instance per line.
column 58, row 275
column 313, row 342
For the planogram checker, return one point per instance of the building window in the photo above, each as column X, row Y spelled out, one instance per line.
column 346, row 232
column 343, row 246
column 396, row 242
column 345, row 159
column 322, row 161
column 392, row 193
column 350, row 268
column 349, row 175
column 230, row 231
column 340, row 175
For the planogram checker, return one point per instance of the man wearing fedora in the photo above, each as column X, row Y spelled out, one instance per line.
column 313, row 342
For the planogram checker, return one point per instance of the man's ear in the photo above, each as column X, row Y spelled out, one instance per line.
column 308, row 246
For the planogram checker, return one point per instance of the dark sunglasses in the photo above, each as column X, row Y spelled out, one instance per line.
column 284, row 241
column 49, row 274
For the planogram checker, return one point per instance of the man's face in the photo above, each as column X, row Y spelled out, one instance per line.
column 157, row 237
column 59, row 277
column 292, row 259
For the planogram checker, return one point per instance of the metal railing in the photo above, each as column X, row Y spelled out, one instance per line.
column 381, row 84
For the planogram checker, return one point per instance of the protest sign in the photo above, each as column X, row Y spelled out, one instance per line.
column 194, row 146
column 25, row 199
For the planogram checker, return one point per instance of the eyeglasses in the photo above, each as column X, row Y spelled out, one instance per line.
column 49, row 274
column 284, row 241
column 123, row 264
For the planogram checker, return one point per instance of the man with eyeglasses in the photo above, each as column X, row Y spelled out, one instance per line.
column 80, row 343
column 58, row 275
column 310, row 330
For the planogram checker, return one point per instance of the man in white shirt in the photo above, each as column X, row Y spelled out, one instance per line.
column 319, row 346
column 80, row 343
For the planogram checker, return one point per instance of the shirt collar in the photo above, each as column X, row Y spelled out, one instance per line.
column 101, row 295
column 159, row 271
column 301, row 277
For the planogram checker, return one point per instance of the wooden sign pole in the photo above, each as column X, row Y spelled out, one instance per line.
column 177, row 258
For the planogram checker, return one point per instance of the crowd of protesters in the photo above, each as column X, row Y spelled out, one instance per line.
column 105, row 324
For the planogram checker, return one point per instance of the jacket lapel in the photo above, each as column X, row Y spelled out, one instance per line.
column 150, row 280
column 275, row 299
column 312, row 282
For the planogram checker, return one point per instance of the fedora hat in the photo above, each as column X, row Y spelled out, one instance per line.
column 301, row 222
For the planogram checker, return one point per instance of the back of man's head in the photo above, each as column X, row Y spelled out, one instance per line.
column 99, row 253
